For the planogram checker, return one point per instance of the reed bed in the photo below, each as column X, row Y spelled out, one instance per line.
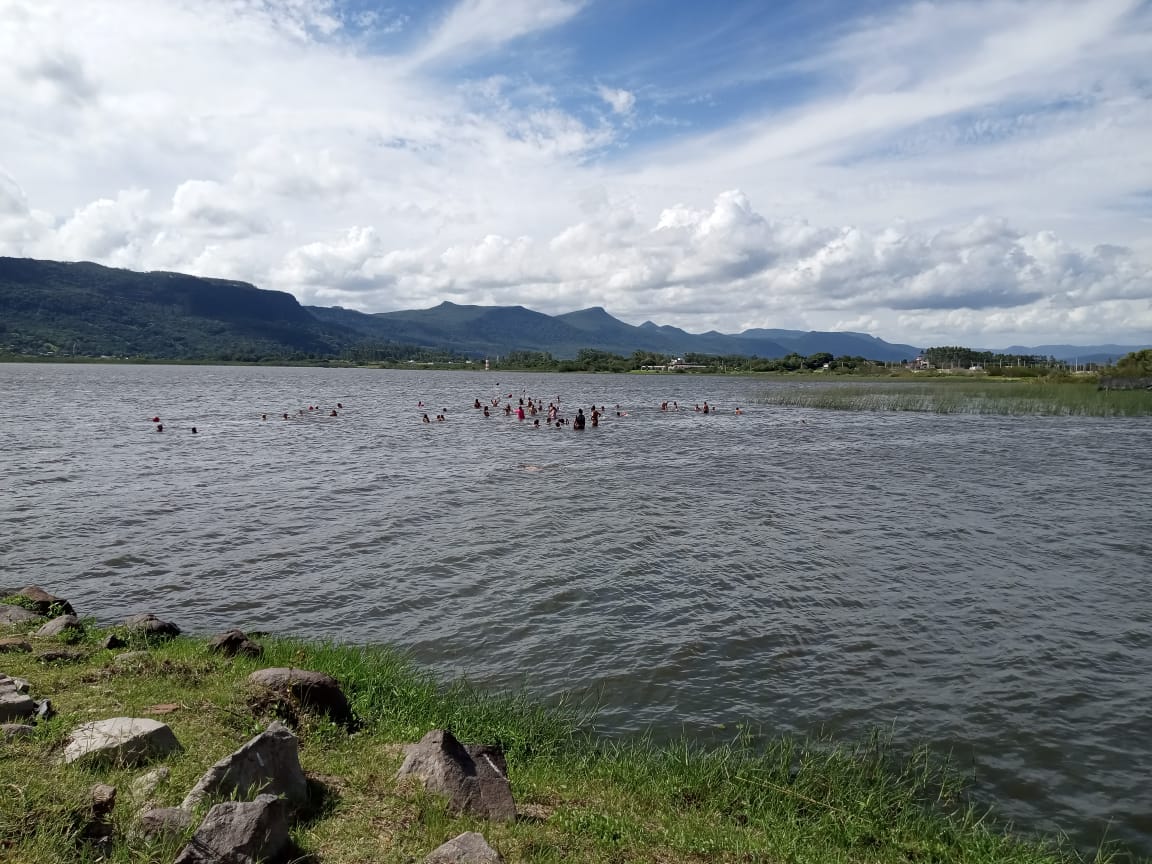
column 944, row 396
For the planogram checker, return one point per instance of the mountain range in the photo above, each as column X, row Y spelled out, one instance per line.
column 87, row 309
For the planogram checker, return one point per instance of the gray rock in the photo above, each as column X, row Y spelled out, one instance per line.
column 45, row 603
column 8, row 731
column 144, row 785
column 122, row 740
column 113, row 640
column 96, row 825
column 159, row 822
column 13, row 685
column 473, row 779
column 61, row 655
column 149, row 625
column 44, row 710
column 291, row 688
column 468, row 848
column 14, row 705
column 270, row 763
column 240, row 832
column 14, row 645
column 131, row 659
column 234, row 642
column 10, row 614
column 58, row 625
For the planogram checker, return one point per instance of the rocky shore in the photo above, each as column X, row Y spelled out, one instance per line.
column 240, row 811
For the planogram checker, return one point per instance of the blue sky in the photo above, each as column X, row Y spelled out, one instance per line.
column 972, row 172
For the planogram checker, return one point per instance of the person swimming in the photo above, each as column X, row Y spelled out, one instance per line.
column 425, row 419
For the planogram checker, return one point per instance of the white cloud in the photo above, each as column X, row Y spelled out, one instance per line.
column 620, row 101
column 982, row 168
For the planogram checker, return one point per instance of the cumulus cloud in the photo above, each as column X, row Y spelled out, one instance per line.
column 962, row 168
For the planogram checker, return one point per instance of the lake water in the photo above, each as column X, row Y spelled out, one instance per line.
column 979, row 584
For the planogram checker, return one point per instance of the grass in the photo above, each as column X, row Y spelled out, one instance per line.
column 1030, row 397
column 581, row 797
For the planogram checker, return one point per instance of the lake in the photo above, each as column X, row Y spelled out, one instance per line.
column 977, row 584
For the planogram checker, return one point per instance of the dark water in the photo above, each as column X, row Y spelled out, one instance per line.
column 976, row 583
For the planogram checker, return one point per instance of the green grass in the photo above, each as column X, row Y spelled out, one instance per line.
column 582, row 797
column 1032, row 397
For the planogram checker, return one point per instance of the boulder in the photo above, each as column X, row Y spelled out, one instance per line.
column 8, row 731
column 10, row 614
column 14, row 645
column 159, row 822
column 45, row 710
column 474, row 779
column 44, row 603
column 96, row 824
column 113, row 640
column 467, row 848
column 144, row 785
column 270, row 763
column 61, row 655
column 148, row 624
column 15, row 704
column 234, row 642
column 122, row 740
column 240, row 832
column 285, row 690
column 58, row 625
column 131, row 660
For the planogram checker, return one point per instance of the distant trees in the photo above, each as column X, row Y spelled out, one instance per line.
column 1137, row 364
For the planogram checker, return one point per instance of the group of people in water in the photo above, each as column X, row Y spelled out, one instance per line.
column 525, row 409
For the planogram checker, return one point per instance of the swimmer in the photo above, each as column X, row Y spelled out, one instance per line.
column 193, row 430
column 486, row 414
column 263, row 416
column 159, row 427
column 426, row 420
column 738, row 410
column 333, row 414
column 155, row 419
column 476, row 404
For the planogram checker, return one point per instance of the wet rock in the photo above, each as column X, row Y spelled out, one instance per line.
column 270, row 763
column 122, row 740
column 284, row 691
column 159, row 822
column 44, row 603
column 10, row 614
column 474, row 779
column 149, row 625
column 234, row 642
column 14, row 645
column 144, row 785
column 468, row 848
column 8, row 731
column 240, row 832
column 58, row 625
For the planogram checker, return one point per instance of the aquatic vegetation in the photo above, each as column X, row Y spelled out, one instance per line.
column 1035, row 397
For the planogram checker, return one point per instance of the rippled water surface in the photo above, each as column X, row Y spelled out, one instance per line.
column 980, row 584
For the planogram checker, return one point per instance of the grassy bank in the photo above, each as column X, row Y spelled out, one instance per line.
column 581, row 798
column 1033, row 397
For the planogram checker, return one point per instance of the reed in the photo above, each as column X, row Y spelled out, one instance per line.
column 1036, row 397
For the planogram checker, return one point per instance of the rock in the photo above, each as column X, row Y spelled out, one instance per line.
column 474, row 779
column 97, row 822
column 284, row 690
column 144, row 785
column 10, row 614
column 159, row 822
column 113, row 640
column 123, row 740
column 239, row 832
column 468, row 848
column 131, row 659
column 270, row 763
column 8, row 731
column 234, row 642
column 44, row 710
column 58, row 625
column 15, row 704
column 61, row 656
column 14, row 645
column 45, row 603
column 149, row 625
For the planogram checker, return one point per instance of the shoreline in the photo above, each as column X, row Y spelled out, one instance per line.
column 579, row 796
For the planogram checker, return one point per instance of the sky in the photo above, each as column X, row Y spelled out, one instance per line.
column 970, row 172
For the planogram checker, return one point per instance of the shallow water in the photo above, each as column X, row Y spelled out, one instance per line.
column 975, row 583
